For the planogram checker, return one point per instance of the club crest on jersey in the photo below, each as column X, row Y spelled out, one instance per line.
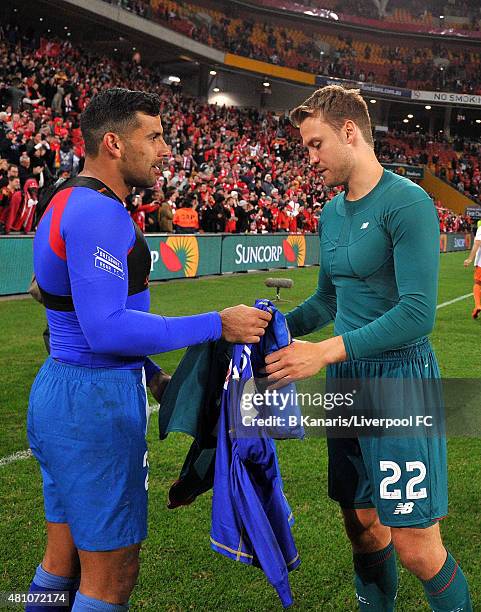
column 107, row 262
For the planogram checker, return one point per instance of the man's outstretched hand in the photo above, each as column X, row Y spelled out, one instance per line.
column 158, row 383
column 244, row 324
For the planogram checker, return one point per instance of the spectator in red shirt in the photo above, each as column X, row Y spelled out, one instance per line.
column 21, row 211
column 6, row 194
column 137, row 210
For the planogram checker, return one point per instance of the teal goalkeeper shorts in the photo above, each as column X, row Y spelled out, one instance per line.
column 404, row 478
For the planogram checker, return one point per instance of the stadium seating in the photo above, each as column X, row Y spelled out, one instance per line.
column 416, row 64
column 230, row 170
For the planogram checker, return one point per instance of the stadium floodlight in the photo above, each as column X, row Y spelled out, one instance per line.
column 115, row 49
column 441, row 16
column 373, row 101
column 428, row 107
column 213, row 72
column 174, row 79
column 410, row 116
column 478, row 120
column 65, row 27
column 418, row 126
column 266, row 84
column 216, row 90
column 405, row 120
column 41, row 19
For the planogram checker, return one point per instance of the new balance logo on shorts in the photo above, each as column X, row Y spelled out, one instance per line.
column 406, row 508
column 362, row 600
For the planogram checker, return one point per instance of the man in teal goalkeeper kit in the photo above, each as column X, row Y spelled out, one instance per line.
column 378, row 282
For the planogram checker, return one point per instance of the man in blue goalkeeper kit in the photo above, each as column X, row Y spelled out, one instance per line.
column 87, row 416
column 378, row 282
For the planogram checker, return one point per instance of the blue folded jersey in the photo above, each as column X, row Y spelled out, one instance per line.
column 251, row 518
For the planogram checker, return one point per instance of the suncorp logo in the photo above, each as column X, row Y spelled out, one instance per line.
column 291, row 251
column 257, row 254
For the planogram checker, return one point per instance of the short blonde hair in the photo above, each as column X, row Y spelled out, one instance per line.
column 336, row 105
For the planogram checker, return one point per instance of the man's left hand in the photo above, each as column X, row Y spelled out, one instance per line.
column 158, row 383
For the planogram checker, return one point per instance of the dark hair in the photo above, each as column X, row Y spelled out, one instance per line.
column 113, row 110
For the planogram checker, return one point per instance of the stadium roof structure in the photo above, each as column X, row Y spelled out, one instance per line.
column 294, row 10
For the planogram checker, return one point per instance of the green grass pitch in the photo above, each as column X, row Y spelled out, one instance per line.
column 179, row 571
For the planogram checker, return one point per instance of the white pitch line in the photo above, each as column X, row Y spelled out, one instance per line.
column 26, row 454
column 458, row 299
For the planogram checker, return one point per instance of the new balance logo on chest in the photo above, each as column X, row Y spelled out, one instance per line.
column 365, row 225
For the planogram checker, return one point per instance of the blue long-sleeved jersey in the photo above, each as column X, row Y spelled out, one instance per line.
column 92, row 265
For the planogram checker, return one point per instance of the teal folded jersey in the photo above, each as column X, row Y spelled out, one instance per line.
column 191, row 405
column 379, row 269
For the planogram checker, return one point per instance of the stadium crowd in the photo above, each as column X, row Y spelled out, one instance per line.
column 231, row 170
column 418, row 65
column 456, row 161
column 235, row 168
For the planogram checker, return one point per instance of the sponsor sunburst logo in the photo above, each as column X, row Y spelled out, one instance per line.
column 294, row 249
column 180, row 253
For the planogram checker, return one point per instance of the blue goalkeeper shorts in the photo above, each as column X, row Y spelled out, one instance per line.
column 404, row 478
column 86, row 428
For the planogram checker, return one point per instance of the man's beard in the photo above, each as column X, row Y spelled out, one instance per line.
column 134, row 180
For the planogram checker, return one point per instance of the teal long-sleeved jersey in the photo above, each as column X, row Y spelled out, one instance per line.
column 378, row 276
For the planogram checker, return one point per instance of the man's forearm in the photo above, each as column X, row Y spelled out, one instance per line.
column 333, row 350
column 474, row 250
column 311, row 315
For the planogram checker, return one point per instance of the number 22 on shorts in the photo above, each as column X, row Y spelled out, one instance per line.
column 411, row 466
